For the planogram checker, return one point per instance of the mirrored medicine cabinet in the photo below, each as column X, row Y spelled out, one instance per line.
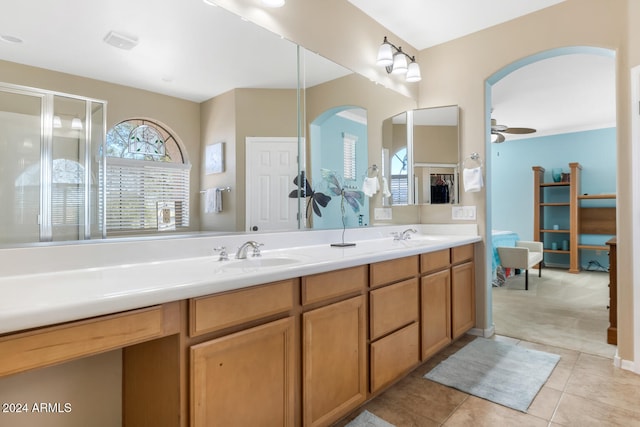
column 421, row 156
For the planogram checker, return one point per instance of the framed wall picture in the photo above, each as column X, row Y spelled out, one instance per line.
column 214, row 158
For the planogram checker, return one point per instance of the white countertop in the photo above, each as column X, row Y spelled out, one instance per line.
column 48, row 297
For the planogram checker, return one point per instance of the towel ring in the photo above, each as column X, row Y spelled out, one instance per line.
column 473, row 156
column 373, row 169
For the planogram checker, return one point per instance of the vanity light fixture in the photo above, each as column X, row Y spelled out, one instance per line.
column 273, row 3
column 396, row 61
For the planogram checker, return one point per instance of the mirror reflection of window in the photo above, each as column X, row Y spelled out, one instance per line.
column 146, row 169
column 399, row 178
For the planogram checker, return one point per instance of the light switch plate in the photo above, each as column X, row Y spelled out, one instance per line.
column 467, row 213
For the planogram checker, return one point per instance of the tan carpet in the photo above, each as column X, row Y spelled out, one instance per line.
column 560, row 309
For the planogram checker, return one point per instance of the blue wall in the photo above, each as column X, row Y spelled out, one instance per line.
column 511, row 178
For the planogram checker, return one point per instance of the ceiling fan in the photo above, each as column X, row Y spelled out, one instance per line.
column 499, row 130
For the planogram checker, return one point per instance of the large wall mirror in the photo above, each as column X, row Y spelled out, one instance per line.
column 310, row 87
column 421, row 156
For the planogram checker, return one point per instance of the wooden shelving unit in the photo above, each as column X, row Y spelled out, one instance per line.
column 582, row 220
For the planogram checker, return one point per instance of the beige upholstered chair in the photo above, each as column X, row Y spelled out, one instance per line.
column 524, row 256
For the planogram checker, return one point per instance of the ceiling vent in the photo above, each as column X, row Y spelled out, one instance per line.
column 120, row 40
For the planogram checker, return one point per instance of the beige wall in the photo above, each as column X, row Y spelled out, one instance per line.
column 180, row 116
column 435, row 144
column 218, row 116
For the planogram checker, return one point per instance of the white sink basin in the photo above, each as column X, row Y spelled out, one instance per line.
column 254, row 263
column 421, row 239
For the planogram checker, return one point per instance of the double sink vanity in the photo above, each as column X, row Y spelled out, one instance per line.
column 301, row 335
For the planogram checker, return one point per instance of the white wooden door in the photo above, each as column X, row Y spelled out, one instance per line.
column 272, row 164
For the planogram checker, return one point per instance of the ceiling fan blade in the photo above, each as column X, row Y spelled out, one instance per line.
column 519, row 130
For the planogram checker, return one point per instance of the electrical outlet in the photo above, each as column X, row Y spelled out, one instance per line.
column 467, row 213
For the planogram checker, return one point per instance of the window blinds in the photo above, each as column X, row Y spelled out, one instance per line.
column 134, row 188
column 349, row 142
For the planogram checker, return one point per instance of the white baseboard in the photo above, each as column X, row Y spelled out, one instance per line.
column 627, row 365
column 484, row 333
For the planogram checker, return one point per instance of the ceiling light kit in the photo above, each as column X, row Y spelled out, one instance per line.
column 396, row 61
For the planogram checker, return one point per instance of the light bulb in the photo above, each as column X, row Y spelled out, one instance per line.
column 399, row 63
column 76, row 123
column 413, row 72
column 385, row 55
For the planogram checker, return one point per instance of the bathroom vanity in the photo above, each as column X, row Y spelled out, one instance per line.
column 266, row 341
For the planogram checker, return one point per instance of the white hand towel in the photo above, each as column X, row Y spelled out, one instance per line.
column 472, row 179
column 385, row 187
column 213, row 200
column 370, row 186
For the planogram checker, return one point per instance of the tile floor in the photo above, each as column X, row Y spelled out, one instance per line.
column 562, row 314
column 583, row 390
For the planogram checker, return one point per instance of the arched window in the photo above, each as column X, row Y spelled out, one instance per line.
column 399, row 178
column 147, row 178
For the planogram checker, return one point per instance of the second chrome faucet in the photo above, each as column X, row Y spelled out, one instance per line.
column 242, row 250
column 403, row 235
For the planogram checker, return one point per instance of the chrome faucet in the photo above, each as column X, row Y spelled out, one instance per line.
column 242, row 250
column 405, row 234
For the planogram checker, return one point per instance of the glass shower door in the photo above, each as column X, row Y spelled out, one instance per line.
column 21, row 144
column 68, row 177
column 51, row 163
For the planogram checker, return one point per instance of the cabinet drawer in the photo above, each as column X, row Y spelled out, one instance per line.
column 393, row 307
column 215, row 312
column 394, row 355
column 393, row 270
column 434, row 261
column 324, row 286
column 461, row 253
column 56, row 344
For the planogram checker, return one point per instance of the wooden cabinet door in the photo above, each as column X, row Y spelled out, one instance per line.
column 435, row 316
column 334, row 361
column 246, row 378
column 463, row 302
